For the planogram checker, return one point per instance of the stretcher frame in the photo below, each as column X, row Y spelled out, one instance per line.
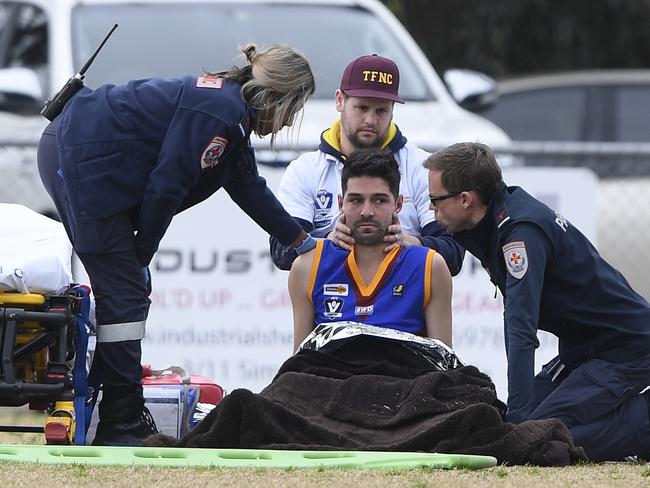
column 38, row 338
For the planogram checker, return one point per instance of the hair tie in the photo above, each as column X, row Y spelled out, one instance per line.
column 250, row 51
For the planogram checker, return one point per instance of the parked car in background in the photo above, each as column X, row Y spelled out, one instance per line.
column 577, row 106
column 594, row 119
column 44, row 42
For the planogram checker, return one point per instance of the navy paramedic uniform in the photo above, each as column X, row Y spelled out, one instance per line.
column 553, row 279
column 395, row 298
column 120, row 162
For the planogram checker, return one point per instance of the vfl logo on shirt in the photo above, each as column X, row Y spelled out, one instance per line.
column 333, row 308
column 323, row 200
column 398, row 290
column 358, row 310
column 516, row 258
column 336, row 289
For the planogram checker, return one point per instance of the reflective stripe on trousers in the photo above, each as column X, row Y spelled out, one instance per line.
column 128, row 331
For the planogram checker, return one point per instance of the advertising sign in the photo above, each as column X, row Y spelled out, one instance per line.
column 221, row 309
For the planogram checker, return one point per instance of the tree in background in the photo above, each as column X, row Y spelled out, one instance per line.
column 513, row 37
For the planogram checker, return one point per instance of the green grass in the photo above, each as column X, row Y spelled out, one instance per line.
column 17, row 474
column 599, row 476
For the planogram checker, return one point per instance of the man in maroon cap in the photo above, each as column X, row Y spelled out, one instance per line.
column 311, row 184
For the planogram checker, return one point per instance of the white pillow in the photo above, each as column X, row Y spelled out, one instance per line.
column 35, row 253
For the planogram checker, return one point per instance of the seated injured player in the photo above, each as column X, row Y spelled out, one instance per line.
column 407, row 289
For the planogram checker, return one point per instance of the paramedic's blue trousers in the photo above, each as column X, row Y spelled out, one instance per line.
column 599, row 402
column 120, row 285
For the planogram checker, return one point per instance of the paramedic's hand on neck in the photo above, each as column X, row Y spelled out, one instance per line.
column 342, row 234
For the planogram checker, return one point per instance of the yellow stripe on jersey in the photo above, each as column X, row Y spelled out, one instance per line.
column 314, row 266
column 427, row 277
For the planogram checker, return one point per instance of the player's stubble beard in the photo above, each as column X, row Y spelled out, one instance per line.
column 369, row 238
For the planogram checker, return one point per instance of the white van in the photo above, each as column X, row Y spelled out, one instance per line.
column 44, row 42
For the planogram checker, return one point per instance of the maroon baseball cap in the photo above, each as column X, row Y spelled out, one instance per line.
column 372, row 76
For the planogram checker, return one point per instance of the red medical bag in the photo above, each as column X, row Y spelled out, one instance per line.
column 209, row 391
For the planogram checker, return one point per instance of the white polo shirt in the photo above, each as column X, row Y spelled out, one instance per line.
column 311, row 184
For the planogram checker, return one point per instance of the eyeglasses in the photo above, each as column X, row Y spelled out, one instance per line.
column 439, row 198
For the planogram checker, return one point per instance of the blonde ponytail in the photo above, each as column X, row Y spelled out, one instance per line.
column 276, row 84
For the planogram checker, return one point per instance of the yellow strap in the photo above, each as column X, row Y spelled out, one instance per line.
column 21, row 299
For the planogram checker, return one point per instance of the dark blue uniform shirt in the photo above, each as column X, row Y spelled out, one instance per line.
column 155, row 147
column 553, row 279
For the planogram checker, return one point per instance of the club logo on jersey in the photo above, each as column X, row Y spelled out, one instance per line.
column 213, row 152
column 209, row 81
column 336, row 289
column 516, row 258
column 333, row 308
column 323, row 200
column 367, row 310
column 398, row 290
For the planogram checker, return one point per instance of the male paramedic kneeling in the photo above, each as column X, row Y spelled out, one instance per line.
column 552, row 279
column 121, row 161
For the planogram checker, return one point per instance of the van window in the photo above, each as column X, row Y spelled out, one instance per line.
column 23, row 39
column 189, row 38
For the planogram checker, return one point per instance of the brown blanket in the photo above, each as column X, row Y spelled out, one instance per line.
column 375, row 395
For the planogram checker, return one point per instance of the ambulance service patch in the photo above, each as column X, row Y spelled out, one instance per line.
column 209, row 82
column 516, row 258
column 213, row 152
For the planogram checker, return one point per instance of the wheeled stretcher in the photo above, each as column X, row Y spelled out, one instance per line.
column 43, row 343
column 43, row 324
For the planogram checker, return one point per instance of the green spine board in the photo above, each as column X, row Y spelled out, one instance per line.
column 237, row 458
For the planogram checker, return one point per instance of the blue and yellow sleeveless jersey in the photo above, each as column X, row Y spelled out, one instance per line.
column 395, row 298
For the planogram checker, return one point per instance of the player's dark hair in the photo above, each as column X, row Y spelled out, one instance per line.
column 372, row 162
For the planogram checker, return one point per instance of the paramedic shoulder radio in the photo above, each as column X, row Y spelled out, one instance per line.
column 54, row 105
